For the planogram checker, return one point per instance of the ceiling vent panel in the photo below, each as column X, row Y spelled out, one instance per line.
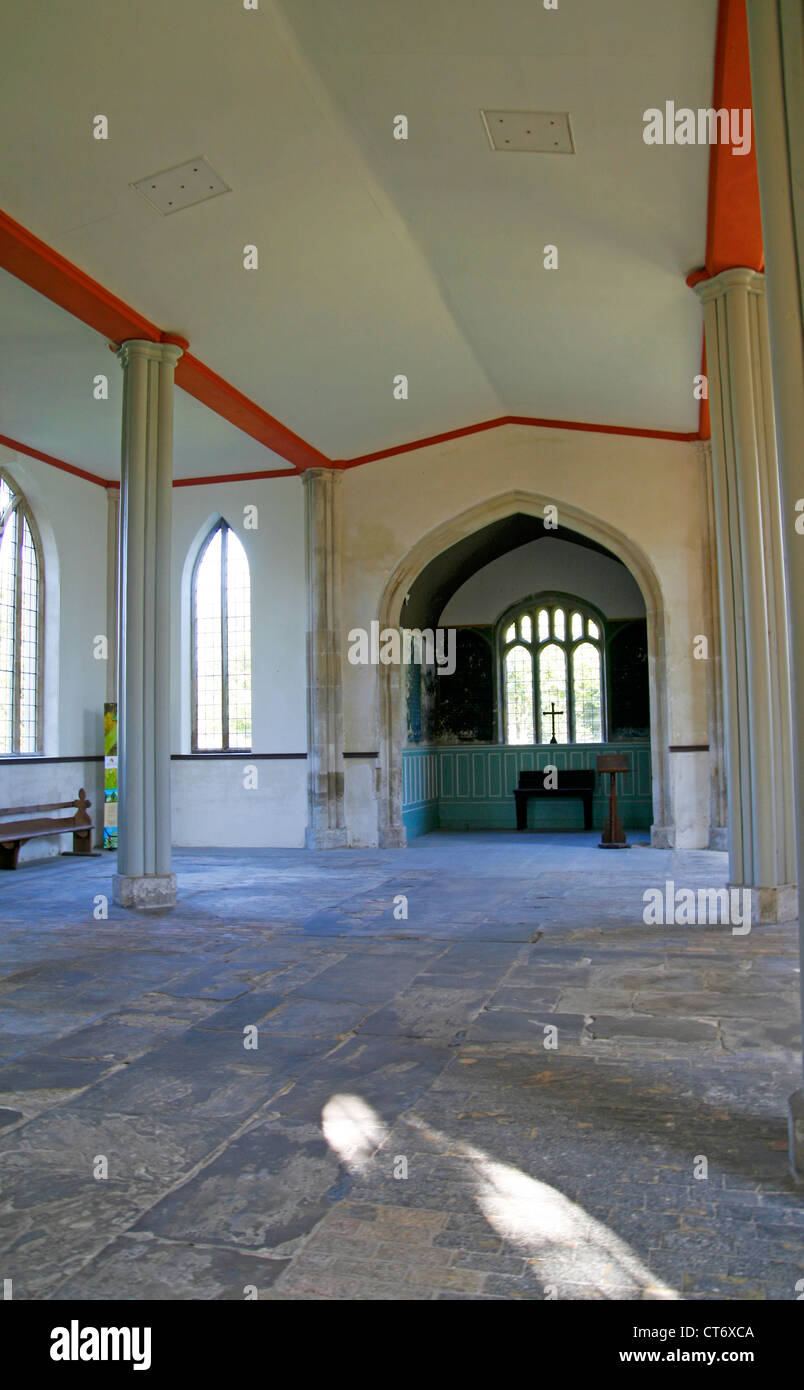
column 529, row 132
column 182, row 187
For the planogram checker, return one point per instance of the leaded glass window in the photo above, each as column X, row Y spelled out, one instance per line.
column 221, row 644
column 518, row 664
column 553, row 682
column 21, row 624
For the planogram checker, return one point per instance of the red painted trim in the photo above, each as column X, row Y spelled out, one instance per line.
column 680, row 436
column 52, row 275
column 734, row 226
column 675, row 436
column 217, row 394
column 54, row 462
column 31, row 260
column 236, row 477
column 634, row 431
column 213, row 478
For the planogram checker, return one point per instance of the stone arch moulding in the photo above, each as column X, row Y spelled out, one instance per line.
column 391, row 706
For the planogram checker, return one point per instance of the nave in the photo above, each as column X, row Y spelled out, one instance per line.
column 408, row 1125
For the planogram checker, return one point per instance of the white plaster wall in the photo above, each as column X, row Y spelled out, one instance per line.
column 70, row 514
column 691, row 780
column 545, row 564
column 32, row 784
column 210, row 804
column 649, row 490
column 360, row 792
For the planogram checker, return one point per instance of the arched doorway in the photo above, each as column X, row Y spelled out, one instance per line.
column 392, row 702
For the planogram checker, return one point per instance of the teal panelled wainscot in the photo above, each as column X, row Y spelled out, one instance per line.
column 420, row 790
column 469, row 786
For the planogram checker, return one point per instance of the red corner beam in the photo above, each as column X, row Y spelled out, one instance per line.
column 38, row 265
column 733, row 223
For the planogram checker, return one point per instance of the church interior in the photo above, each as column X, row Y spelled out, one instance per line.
column 401, row 409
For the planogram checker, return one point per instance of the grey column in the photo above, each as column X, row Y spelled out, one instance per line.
column 718, row 813
column 776, row 37
column 144, row 877
column 112, row 564
column 326, row 824
column 756, row 678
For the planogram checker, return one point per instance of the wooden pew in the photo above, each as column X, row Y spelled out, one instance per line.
column 570, row 783
column 30, row 823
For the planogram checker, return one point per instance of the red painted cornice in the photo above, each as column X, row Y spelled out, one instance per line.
column 19, row 448
column 675, row 436
column 501, row 420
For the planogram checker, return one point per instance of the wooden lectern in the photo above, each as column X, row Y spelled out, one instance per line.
column 613, row 836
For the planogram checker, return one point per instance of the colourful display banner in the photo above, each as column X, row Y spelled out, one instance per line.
column 110, row 776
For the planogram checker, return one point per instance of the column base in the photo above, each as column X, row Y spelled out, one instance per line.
column 663, row 836
column 144, row 891
column 719, row 837
column 770, row 906
column 393, row 837
column 325, row 839
column 795, row 1117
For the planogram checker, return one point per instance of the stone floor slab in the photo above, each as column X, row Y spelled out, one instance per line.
column 401, row 1131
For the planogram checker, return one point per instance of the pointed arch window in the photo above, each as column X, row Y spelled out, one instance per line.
column 553, row 672
column 221, row 644
column 21, row 624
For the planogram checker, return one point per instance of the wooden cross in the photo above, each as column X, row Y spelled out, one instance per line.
column 553, row 714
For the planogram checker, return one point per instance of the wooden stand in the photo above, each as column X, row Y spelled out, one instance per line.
column 613, row 836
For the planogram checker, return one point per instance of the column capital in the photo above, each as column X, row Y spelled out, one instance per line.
column 314, row 475
column 738, row 277
column 168, row 352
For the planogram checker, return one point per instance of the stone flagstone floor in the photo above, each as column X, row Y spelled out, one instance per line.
column 401, row 1130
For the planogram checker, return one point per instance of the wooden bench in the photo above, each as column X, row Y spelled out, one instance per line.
column 578, row 784
column 17, row 832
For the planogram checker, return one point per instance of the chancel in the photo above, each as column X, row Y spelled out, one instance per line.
column 401, row 497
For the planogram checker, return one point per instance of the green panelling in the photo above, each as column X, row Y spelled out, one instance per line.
column 419, row 790
column 469, row 786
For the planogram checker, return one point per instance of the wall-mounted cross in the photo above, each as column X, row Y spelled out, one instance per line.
column 553, row 713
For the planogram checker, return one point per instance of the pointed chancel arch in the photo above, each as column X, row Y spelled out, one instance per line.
column 220, row 643
column 22, row 604
column 391, row 713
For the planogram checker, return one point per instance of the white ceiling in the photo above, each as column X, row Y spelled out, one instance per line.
column 377, row 256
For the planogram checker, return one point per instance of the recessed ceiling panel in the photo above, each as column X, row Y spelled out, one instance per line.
column 181, row 187
column 529, row 132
